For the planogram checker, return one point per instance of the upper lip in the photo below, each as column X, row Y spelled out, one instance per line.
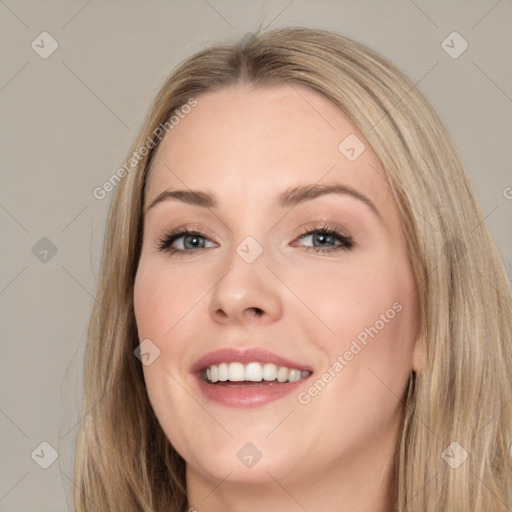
column 244, row 356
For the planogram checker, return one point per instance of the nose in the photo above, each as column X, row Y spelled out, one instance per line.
column 246, row 292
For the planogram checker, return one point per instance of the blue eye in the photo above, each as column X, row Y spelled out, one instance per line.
column 193, row 241
column 322, row 238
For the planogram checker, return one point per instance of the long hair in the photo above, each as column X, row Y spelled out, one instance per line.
column 453, row 452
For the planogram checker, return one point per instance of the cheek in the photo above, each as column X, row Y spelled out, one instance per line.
column 349, row 297
column 366, row 311
column 367, row 360
column 163, row 297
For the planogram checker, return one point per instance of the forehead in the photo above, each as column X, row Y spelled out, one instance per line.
column 246, row 144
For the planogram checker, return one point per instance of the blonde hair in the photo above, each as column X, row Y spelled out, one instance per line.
column 123, row 459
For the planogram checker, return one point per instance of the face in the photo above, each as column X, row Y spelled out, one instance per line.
column 277, row 280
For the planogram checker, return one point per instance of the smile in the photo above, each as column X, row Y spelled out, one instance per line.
column 252, row 372
column 247, row 377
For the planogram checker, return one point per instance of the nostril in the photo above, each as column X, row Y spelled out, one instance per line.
column 255, row 311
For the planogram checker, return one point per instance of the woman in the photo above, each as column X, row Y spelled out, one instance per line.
column 299, row 305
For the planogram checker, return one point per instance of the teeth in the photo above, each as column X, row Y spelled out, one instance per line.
column 270, row 372
column 253, row 372
column 282, row 374
column 294, row 375
column 223, row 372
column 236, row 372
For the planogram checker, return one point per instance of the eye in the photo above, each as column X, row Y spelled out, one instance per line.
column 192, row 240
column 324, row 238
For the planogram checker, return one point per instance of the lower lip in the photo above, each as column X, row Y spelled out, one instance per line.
column 246, row 396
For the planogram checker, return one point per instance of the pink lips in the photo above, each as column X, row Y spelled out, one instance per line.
column 250, row 395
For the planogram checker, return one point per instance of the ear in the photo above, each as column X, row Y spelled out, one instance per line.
column 419, row 357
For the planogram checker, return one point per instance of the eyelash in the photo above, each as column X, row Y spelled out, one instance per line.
column 168, row 239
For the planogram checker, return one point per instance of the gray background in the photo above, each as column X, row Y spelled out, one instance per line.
column 67, row 124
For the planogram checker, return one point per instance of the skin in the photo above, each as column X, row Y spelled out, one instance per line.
column 245, row 145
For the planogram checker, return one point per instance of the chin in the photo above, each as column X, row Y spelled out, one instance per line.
column 245, row 461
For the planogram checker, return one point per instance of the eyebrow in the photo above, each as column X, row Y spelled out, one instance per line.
column 289, row 198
